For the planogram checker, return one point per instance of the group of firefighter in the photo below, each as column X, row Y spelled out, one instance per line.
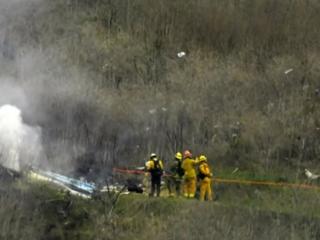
column 183, row 175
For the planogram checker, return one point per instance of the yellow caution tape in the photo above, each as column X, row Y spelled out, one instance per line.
column 238, row 181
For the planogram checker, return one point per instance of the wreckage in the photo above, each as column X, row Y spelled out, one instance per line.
column 8, row 175
column 74, row 186
column 77, row 187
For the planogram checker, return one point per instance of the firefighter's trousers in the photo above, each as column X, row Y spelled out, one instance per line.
column 189, row 187
column 205, row 189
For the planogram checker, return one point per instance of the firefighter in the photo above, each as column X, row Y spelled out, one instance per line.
column 204, row 177
column 155, row 167
column 190, row 176
column 176, row 175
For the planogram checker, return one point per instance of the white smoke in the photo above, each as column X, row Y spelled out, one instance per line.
column 20, row 144
column 33, row 79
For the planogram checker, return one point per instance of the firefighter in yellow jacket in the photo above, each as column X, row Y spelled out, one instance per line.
column 175, row 178
column 190, row 176
column 155, row 167
column 205, row 176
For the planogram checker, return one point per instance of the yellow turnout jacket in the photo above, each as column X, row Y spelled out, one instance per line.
column 188, row 166
column 205, row 171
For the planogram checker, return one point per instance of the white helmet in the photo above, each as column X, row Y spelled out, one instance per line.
column 153, row 155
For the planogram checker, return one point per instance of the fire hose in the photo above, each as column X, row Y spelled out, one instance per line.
column 235, row 181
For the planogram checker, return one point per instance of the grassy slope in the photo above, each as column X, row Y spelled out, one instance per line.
column 44, row 212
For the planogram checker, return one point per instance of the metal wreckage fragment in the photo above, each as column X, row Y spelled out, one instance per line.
column 77, row 187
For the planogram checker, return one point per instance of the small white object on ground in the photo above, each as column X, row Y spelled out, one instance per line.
column 310, row 175
column 288, row 71
column 152, row 111
column 235, row 170
column 181, row 54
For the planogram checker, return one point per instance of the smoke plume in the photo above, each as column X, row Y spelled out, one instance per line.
column 20, row 144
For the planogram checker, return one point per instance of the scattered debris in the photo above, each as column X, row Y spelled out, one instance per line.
column 111, row 188
column 235, row 170
column 310, row 175
column 288, row 71
column 152, row 111
column 134, row 186
column 181, row 54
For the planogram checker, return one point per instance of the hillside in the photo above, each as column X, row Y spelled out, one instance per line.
column 103, row 83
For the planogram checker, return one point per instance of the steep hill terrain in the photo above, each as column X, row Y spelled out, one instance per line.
column 103, row 83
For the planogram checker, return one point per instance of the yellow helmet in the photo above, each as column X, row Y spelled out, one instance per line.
column 153, row 155
column 178, row 156
column 203, row 158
